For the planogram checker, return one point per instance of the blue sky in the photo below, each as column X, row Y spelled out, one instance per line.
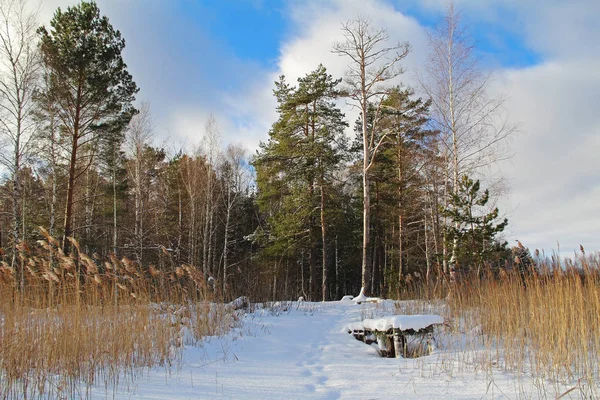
column 253, row 30
column 193, row 58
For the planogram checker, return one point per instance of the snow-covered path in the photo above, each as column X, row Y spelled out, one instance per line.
column 305, row 353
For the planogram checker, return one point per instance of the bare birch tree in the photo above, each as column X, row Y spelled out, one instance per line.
column 19, row 73
column 192, row 174
column 236, row 176
column 50, row 151
column 138, row 137
column 471, row 121
column 211, row 148
column 372, row 64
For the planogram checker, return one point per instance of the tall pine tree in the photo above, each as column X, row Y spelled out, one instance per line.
column 90, row 83
column 295, row 167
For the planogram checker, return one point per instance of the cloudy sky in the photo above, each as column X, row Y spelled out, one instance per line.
column 192, row 58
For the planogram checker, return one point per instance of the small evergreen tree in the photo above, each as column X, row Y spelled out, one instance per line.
column 471, row 226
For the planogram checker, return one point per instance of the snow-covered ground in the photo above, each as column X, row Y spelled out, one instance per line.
column 303, row 351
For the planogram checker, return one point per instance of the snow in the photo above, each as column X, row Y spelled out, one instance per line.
column 355, row 326
column 361, row 298
column 402, row 322
column 303, row 351
column 239, row 304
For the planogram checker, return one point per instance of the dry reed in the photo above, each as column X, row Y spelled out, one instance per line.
column 71, row 321
column 543, row 324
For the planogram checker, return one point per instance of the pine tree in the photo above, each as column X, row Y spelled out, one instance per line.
column 473, row 228
column 295, row 167
column 90, row 83
column 405, row 118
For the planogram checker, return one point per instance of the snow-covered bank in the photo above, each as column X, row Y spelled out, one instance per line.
column 303, row 351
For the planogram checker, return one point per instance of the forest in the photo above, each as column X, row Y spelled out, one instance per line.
column 387, row 200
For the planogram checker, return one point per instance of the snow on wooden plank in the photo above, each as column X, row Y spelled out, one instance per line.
column 355, row 326
column 402, row 322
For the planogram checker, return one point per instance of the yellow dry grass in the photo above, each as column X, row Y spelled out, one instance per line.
column 78, row 321
column 544, row 324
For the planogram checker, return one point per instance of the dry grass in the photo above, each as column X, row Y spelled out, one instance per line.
column 544, row 325
column 78, row 321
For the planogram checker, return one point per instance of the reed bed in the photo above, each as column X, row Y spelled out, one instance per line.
column 68, row 322
column 542, row 323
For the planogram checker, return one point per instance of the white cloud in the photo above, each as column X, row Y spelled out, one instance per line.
column 562, row 29
column 556, row 29
column 252, row 110
column 320, row 27
column 554, row 173
column 317, row 26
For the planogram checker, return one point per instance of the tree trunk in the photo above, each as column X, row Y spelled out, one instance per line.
column 275, row 285
column 445, row 223
column 374, row 266
column 226, row 241
column 312, row 246
column 211, row 247
column 312, row 267
column 192, row 232
column 324, row 244
column 53, row 202
column 427, row 255
column 16, row 189
column 88, row 212
column 72, row 170
column 23, row 230
column 114, row 184
column 302, row 274
column 364, row 46
column 400, row 246
column 70, row 193
column 138, row 229
column 54, row 196
column 15, row 208
column 206, row 230
column 385, row 268
column 179, row 224
column 285, row 282
column 365, row 280
column 453, row 127
column 337, row 269
column 435, row 218
column 400, row 215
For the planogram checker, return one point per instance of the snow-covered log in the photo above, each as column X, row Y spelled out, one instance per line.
column 392, row 333
column 402, row 322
